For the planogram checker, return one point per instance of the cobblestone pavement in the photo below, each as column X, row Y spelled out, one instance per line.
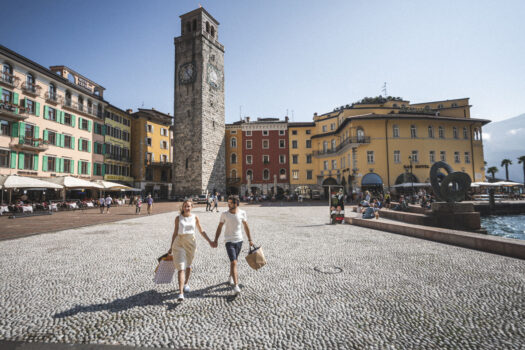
column 324, row 287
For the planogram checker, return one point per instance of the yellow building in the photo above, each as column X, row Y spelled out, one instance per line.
column 303, row 166
column 233, row 158
column 378, row 144
column 151, row 149
column 117, row 146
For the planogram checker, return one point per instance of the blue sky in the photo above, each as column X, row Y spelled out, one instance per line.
column 300, row 56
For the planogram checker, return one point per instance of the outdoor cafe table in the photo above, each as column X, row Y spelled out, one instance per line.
column 27, row 209
column 72, row 205
column 89, row 205
column 4, row 209
column 53, row 206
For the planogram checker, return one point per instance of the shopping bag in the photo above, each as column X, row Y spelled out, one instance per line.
column 165, row 270
column 255, row 258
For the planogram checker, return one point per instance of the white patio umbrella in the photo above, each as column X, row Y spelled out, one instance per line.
column 507, row 183
column 484, row 184
column 15, row 181
column 410, row 184
column 70, row 182
column 113, row 186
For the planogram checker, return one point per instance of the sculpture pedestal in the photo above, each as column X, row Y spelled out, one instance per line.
column 456, row 216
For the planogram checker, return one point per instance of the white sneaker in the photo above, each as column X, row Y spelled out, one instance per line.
column 181, row 297
column 186, row 288
column 236, row 289
column 231, row 281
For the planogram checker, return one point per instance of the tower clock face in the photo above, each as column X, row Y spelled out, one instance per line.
column 187, row 73
column 214, row 76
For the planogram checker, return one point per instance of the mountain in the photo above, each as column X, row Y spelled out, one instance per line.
column 505, row 139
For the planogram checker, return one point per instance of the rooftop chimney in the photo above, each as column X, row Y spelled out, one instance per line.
column 286, row 119
column 129, row 111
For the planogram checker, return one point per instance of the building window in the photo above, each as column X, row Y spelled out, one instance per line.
column 294, row 143
column 51, row 164
column 332, row 145
column 308, row 143
column 443, row 156
column 28, row 161
column 332, row 126
column 265, row 144
column 370, row 157
column 413, row 131
column 84, row 125
column 4, row 158
column 5, row 128
column 282, row 143
column 266, row 159
column 30, row 106
column 431, row 131
column 325, row 165
column 249, row 133
column 309, row 174
column 68, row 141
column 325, row 146
column 432, row 157
column 395, row 131
column 282, row 174
column 295, row 159
column 248, row 159
column 282, row 159
column 164, row 144
column 334, row 164
column 308, row 132
column 265, row 133
column 456, row 157
column 97, row 148
column 163, row 132
column 234, row 158
column 324, row 128
column 52, row 114
column 97, row 169
column 294, row 132
column 441, row 132
column 148, row 141
column 465, row 133
column 415, row 156
column 249, row 175
column 397, row 156
column 455, row 132
column 233, row 142
column 467, row 157
column 282, row 132
column 83, row 167
column 295, row 174
column 51, row 137
column 84, row 145
column 360, row 135
column 149, row 128
column 163, row 158
column 68, row 119
column 67, row 166
column 308, row 159
column 266, row 174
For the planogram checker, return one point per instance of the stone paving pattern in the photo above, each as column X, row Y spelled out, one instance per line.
column 336, row 287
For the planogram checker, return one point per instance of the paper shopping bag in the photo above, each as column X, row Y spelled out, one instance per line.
column 255, row 258
column 165, row 270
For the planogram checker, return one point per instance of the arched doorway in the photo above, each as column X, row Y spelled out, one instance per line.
column 330, row 181
column 406, row 178
column 372, row 182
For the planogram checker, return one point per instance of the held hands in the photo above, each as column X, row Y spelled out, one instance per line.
column 213, row 244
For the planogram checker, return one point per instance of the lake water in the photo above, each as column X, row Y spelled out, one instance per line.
column 510, row 226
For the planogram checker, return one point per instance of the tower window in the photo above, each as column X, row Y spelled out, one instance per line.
column 188, row 27
column 212, row 31
column 194, row 25
column 187, row 162
column 207, row 27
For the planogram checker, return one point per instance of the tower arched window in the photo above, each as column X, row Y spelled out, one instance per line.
column 234, row 158
column 233, row 142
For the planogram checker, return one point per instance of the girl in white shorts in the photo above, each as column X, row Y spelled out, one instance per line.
column 183, row 245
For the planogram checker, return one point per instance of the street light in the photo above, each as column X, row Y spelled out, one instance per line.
column 411, row 178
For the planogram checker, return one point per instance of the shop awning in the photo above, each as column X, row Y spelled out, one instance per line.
column 372, row 179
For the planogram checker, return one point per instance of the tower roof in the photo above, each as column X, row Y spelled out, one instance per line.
column 199, row 10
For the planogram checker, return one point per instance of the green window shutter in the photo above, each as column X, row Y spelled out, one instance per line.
column 62, row 165
column 24, row 102
column 72, row 142
column 45, row 135
column 89, row 147
column 14, row 130
column 63, row 141
column 89, row 125
column 13, row 160
column 57, row 165
column 62, row 117
column 103, row 169
column 15, row 101
column 46, row 112
column 37, row 109
column 35, row 162
column 37, row 132
column 20, row 161
column 103, row 128
column 22, row 130
column 73, row 117
column 88, row 168
column 80, row 122
column 79, row 144
column 44, row 163
column 95, row 144
column 103, row 148
column 71, row 166
column 79, row 169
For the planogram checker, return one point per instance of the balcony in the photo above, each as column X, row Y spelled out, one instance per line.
column 9, row 80
column 76, row 107
column 117, row 157
column 233, row 180
column 9, row 111
column 31, row 89
column 350, row 142
column 148, row 162
column 53, row 98
column 30, row 144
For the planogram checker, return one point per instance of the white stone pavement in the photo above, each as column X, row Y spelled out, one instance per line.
column 324, row 287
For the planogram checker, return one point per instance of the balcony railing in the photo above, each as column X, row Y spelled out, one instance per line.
column 81, row 108
column 117, row 157
column 9, row 79
column 11, row 111
column 31, row 143
column 31, row 89
column 52, row 98
column 348, row 141
column 160, row 163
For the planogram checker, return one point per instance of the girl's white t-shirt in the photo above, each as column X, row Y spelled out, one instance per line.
column 233, row 225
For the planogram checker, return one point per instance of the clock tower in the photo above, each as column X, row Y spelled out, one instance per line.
column 199, row 122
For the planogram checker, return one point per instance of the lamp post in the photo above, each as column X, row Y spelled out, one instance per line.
column 411, row 178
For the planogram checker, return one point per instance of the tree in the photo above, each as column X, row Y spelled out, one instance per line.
column 521, row 160
column 506, row 163
column 492, row 170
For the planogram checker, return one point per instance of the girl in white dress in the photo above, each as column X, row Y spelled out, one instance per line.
column 183, row 245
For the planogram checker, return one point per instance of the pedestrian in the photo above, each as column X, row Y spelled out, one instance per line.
column 234, row 219
column 149, row 201
column 108, row 202
column 101, row 202
column 208, row 202
column 138, row 204
column 216, row 202
column 183, row 245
